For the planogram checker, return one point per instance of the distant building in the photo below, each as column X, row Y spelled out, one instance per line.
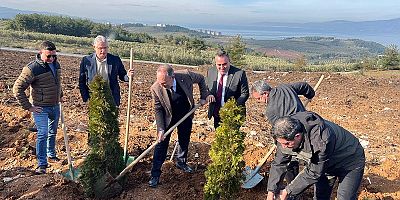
column 161, row 25
column 210, row 32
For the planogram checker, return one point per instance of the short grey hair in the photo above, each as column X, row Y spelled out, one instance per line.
column 166, row 68
column 286, row 128
column 260, row 87
column 100, row 38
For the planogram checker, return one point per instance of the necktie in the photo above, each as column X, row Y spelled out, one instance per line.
column 219, row 95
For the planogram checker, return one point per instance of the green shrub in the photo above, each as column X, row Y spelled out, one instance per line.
column 224, row 175
column 106, row 153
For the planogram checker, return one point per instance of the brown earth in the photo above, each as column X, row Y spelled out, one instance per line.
column 366, row 105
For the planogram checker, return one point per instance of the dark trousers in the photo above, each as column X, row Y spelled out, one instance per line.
column 349, row 182
column 217, row 121
column 160, row 151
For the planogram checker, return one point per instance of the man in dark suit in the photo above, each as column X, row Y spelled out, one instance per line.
column 225, row 81
column 104, row 64
column 173, row 98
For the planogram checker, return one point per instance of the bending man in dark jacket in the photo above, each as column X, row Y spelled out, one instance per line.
column 104, row 64
column 330, row 152
column 283, row 101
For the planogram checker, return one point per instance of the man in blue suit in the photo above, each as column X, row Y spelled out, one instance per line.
column 102, row 63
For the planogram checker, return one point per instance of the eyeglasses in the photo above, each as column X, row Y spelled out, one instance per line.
column 223, row 64
column 49, row 56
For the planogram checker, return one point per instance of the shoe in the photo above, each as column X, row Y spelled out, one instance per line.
column 54, row 159
column 33, row 128
column 184, row 167
column 154, row 181
column 40, row 170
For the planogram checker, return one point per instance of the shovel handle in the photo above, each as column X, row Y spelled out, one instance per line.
column 264, row 159
column 315, row 89
column 128, row 110
column 129, row 167
column 64, row 128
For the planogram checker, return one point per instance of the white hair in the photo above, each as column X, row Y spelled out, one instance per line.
column 100, row 38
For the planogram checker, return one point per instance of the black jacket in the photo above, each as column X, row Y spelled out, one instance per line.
column 326, row 149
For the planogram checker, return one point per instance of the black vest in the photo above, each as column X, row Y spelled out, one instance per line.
column 179, row 103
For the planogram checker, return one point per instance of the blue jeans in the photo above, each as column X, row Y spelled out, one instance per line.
column 46, row 123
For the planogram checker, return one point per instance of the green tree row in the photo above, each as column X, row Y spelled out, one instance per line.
column 73, row 27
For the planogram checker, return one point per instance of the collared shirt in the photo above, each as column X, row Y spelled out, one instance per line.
column 174, row 85
column 102, row 68
column 53, row 69
column 223, row 85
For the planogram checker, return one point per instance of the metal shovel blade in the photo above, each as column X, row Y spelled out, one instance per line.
column 252, row 178
column 107, row 187
column 71, row 174
column 129, row 160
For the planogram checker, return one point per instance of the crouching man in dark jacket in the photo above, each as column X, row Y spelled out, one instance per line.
column 330, row 153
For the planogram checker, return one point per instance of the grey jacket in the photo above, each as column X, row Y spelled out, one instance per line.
column 326, row 148
column 283, row 100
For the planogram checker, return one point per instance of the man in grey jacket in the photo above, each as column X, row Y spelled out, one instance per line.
column 330, row 152
column 281, row 101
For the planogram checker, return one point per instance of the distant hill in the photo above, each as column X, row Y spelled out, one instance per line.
column 9, row 13
column 317, row 48
column 163, row 29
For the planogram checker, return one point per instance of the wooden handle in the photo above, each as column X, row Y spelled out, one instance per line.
column 315, row 89
column 128, row 111
column 261, row 163
column 129, row 167
column 64, row 128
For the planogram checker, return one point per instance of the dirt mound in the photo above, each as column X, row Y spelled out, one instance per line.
column 366, row 105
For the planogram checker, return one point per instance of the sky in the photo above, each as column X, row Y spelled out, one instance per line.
column 214, row 12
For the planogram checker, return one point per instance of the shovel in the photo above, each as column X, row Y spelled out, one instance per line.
column 108, row 186
column 252, row 176
column 128, row 159
column 72, row 174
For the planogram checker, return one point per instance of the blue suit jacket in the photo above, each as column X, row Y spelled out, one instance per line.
column 88, row 69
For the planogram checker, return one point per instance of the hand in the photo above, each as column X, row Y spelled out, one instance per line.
column 210, row 98
column 203, row 102
column 161, row 136
column 35, row 109
column 131, row 72
column 283, row 194
column 270, row 196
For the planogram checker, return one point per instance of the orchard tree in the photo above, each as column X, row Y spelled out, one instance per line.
column 106, row 153
column 225, row 174
column 236, row 50
column 391, row 57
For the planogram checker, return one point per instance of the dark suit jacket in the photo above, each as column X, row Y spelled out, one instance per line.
column 236, row 86
column 88, row 69
column 162, row 104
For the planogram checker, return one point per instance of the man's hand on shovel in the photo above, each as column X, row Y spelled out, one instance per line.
column 161, row 136
column 203, row 102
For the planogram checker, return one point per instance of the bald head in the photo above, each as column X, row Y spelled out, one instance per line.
column 165, row 75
